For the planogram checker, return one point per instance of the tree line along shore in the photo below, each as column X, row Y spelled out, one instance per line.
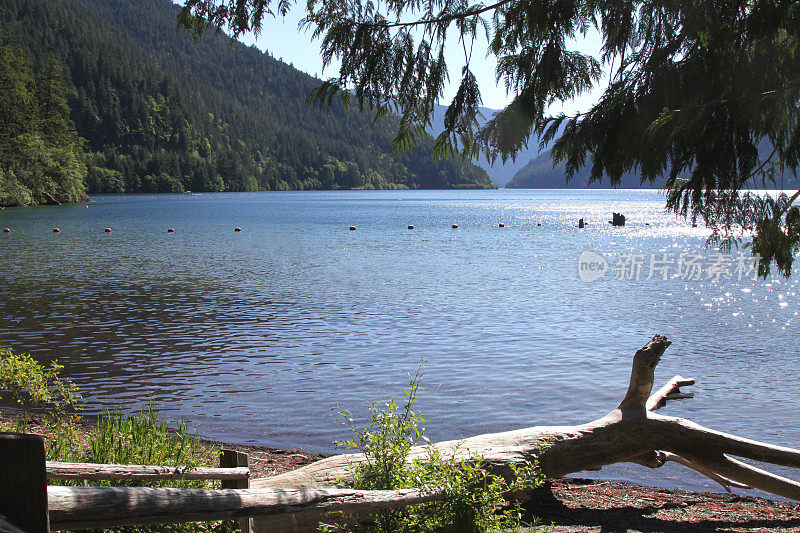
column 102, row 96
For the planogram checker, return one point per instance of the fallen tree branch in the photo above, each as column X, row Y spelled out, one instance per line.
column 633, row 432
column 656, row 459
column 670, row 391
column 754, row 477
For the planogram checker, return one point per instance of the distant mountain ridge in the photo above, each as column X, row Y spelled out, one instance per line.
column 540, row 173
column 161, row 112
column 500, row 173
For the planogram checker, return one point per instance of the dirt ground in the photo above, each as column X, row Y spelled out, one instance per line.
column 580, row 505
column 266, row 462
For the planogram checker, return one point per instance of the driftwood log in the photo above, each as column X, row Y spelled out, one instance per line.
column 633, row 432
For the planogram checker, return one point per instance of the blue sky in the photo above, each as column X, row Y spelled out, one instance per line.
column 283, row 39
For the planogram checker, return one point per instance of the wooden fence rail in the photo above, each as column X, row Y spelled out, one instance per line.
column 103, row 507
column 28, row 504
column 59, row 470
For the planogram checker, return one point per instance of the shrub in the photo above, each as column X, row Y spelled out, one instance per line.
column 475, row 498
column 28, row 383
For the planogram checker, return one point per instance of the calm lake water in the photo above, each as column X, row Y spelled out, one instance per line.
column 256, row 336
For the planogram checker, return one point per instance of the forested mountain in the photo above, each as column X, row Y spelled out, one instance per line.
column 161, row 111
column 539, row 173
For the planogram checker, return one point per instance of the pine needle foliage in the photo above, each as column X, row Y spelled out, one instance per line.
column 696, row 87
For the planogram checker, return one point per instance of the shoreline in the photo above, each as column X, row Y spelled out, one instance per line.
column 265, row 461
column 568, row 504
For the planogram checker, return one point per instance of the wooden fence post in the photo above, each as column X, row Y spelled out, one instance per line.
column 23, row 482
column 232, row 459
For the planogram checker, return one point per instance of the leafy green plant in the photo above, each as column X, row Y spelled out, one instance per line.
column 475, row 499
column 28, row 383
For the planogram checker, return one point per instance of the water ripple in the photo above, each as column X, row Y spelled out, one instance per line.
column 238, row 331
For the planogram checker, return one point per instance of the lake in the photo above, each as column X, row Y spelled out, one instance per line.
column 256, row 336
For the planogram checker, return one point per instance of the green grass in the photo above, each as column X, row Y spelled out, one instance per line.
column 118, row 438
column 136, row 439
column 141, row 439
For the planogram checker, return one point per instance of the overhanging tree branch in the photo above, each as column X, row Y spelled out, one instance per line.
column 475, row 10
column 695, row 88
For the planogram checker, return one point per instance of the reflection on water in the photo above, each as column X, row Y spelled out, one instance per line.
column 255, row 336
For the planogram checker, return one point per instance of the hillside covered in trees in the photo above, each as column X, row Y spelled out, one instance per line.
column 41, row 160
column 163, row 112
column 540, row 173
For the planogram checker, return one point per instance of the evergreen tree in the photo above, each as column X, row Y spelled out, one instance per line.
column 17, row 103
column 40, row 156
column 53, row 109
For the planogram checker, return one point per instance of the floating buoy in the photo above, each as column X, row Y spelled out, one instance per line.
column 6, row 230
column 455, row 226
column 410, row 227
column 352, row 228
column 107, row 230
column 170, row 230
column 237, row 228
column 56, row 230
column 501, row 225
